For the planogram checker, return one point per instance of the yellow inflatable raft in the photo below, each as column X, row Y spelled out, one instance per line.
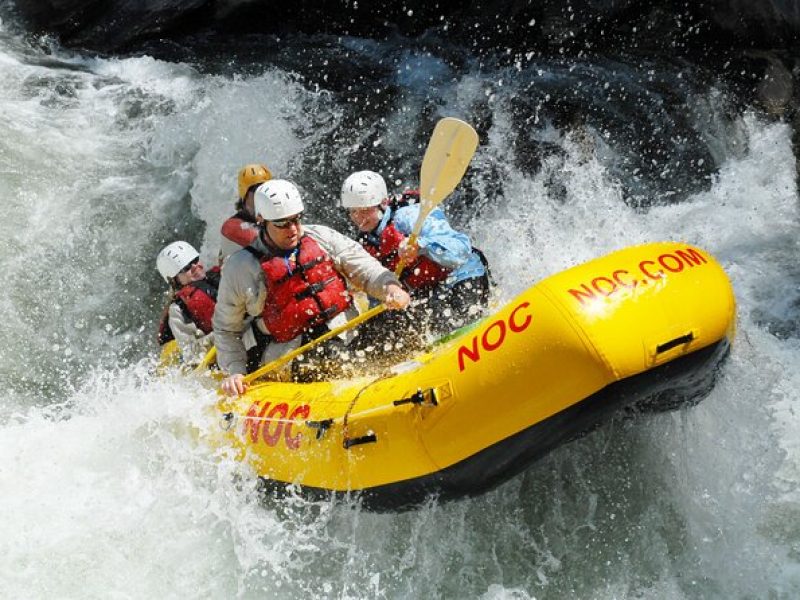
column 645, row 327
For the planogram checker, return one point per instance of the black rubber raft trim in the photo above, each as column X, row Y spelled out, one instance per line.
column 680, row 383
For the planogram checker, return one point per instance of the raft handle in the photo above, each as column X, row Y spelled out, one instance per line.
column 684, row 339
column 320, row 426
column 364, row 439
column 419, row 398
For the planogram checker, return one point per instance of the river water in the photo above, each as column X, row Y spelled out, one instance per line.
column 107, row 489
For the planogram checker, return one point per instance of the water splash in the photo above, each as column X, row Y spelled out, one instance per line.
column 108, row 485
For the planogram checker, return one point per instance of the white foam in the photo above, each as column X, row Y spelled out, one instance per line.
column 107, row 491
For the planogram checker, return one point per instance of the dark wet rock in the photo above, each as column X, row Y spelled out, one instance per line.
column 650, row 123
column 543, row 26
column 111, row 26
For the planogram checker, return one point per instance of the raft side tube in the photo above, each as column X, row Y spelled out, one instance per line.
column 298, row 433
column 556, row 343
column 646, row 305
column 689, row 377
column 554, row 347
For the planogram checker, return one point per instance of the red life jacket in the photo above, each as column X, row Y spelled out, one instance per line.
column 197, row 301
column 421, row 274
column 240, row 230
column 304, row 290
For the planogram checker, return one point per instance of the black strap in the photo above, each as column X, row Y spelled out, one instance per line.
column 300, row 269
column 303, row 267
column 213, row 276
column 329, row 313
column 312, row 289
column 485, row 263
column 263, row 256
column 370, row 438
column 207, row 287
column 257, row 253
column 165, row 331
column 187, row 316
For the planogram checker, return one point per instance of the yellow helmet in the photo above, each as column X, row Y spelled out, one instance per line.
column 251, row 175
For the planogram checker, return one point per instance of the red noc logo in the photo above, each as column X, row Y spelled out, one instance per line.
column 649, row 271
column 494, row 335
column 270, row 424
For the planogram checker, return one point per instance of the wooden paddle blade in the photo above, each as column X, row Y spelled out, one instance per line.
column 451, row 147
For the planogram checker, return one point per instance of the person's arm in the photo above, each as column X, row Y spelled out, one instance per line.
column 239, row 231
column 236, row 234
column 355, row 263
column 192, row 341
column 241, row 292
column 437, row 239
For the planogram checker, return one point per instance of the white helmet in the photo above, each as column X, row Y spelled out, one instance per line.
column 363, row 189
column 172, row 259
column 277, row 199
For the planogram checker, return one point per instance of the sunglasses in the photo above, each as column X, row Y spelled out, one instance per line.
column 189, row 266
column 286, row 223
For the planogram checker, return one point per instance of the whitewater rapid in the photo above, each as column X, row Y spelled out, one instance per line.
column 107, row 487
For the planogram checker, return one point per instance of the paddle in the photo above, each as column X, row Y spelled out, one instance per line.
column 209, row 358
column 451, row 147
column 289, row 356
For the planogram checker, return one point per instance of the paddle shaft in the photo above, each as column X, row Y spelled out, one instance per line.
column 209, row 358
column 412, row 241
column 289, row 356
